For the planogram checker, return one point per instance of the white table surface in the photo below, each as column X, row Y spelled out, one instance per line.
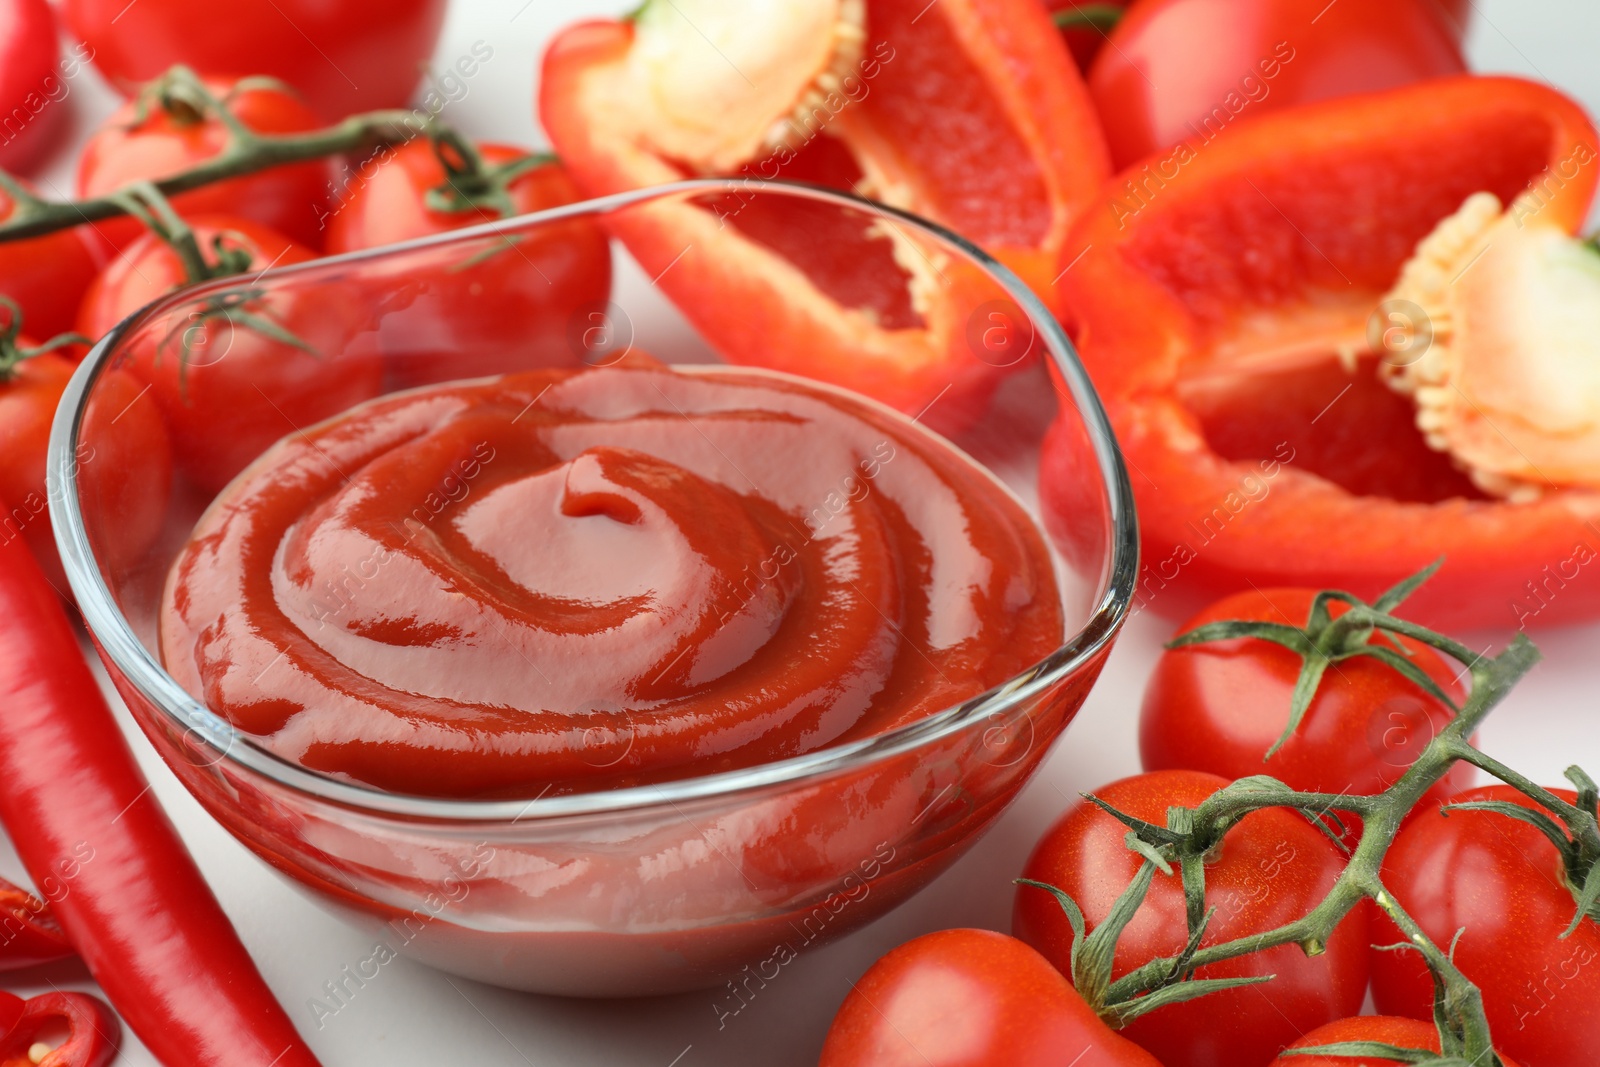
column 413, row 1015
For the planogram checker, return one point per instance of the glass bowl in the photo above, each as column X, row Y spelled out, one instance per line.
column 656, row 888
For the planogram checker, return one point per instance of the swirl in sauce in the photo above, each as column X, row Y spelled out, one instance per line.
column 572, row 580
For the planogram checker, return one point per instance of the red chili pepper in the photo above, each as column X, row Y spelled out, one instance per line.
column 1222, row 285
column 29, row 932
column 97, row 843
column 93, row 1033
column 969, row 112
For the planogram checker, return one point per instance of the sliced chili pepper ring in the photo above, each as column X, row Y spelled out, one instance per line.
column 92, row 1033
column 29, row 933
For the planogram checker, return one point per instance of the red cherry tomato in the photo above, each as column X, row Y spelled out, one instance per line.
column 491, row 310
column 1271, row 869
column 240, row 389
column 47, row 276
column 126, row 470
column 1401, row 1033
column 34, row 92
column 1502, row 882
column 1220, row 707
column 342, row 55
column 1171, row 72
column 970, row 998
column 292, row 200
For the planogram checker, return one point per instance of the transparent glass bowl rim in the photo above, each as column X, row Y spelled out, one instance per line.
column 214, row 735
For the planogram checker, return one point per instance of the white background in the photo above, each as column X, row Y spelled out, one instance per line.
column 412, row 1015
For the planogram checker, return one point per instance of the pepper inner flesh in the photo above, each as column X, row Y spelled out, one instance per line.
column 1304, row 378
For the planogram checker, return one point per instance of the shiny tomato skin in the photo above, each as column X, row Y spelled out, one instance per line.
column 341, row 55
column 1271, row 869
column 1388, row 1029
column 1502, row 881
column 970, row 998
column 1171, row 72
column 292, row 200
column 475, row 315
column 241, row 390
column 48, row 276
column 1220, row 707
column 34, row 96
column 124, row 466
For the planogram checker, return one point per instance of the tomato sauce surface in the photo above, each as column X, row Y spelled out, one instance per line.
column 572, row 580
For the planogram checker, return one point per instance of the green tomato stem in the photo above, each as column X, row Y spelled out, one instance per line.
column 247, row 152
column 1382, row 816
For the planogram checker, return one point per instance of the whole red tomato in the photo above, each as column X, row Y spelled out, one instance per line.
column 292, row 200
column 239, row 389
column 342, row 55
column 490, row 309
column 1221, row 707
column 1185, row 70
column 47, row 276
column 1386, row 1029
column 970, row 998
column 1503, row 883
column 33, row 83
column 1271, row 869
column 124, row 465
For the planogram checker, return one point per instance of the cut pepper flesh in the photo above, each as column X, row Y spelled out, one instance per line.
column 969, row 112
column 1230, row 316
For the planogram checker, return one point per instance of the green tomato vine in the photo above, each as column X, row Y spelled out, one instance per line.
column 1181, row 846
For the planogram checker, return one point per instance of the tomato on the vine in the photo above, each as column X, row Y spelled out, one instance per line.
column 341, row 55
column 47, row 276
column 1221, row 706
column 1184, row 70
column 971, row 998
column 237, row 388
column 503, row 306
column 33, row 87
column 1385, row 1029
column 1270, row 869
column 125, row 465
column 1504, row 885
column 173, row 135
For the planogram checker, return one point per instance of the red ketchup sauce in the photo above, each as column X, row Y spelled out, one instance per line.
column 572, row 580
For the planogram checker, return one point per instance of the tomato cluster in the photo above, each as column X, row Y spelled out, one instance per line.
column 205, row 408
column 1211, row 711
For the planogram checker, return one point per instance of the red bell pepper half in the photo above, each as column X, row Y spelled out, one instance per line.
column 29, row 933
column 969, row 112
column 1227, row 308
column 61, row 1030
